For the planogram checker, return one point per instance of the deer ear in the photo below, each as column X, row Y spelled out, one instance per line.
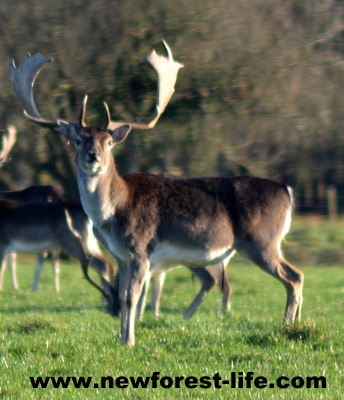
column 121, row 133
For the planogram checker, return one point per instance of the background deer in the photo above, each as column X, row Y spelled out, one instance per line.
column 150, row 223
column 39, row 219
column 32, row 194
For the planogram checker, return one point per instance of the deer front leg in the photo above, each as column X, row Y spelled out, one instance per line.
column 2, row 268
column 55, row 260
column 134, row 281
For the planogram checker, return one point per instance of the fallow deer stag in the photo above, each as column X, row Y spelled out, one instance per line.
column 152, row 223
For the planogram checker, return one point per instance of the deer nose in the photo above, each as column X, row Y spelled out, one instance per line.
column 92, row 156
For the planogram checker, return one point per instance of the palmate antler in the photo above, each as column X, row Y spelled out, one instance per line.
column 7, row 142
column 24, row 76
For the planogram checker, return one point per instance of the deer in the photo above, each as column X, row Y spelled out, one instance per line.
column 33, row 194
column 209, row 277
column 151, row 223
column 46, row 216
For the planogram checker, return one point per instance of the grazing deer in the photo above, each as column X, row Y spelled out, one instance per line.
column 150, row 223
column 39, row 219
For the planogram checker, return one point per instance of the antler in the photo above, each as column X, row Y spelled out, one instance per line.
column 24, row 76
column 167, row 71
column 8, row 139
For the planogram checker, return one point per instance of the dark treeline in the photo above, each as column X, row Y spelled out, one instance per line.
column 262, row 91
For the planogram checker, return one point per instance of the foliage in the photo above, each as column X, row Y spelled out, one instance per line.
column 261, row 87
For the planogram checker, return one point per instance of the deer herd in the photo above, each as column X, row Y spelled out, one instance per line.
column 148, row 224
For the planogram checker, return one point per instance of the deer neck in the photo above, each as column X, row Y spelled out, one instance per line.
column 101, row 194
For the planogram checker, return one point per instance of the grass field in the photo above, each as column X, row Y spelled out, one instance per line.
column 69, row 334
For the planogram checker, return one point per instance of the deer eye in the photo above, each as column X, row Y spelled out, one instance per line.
column 77, row 142
column 110, row 142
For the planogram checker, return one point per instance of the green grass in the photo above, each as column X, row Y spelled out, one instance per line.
column 69, row 334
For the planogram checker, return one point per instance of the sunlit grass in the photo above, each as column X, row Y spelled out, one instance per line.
column 69, row 334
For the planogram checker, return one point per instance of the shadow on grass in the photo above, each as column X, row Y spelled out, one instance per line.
column 308, row 331
column 50, row 309
column 303, row 331
column 28, row 327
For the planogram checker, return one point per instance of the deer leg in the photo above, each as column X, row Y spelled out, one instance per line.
column 273, row 263
column 55, row 260
column 122, row 279
column 12, row 259
column 3, row 268
column 207, row 282
column 293, row 281
column 113, row 291
column 158, row 283
column 223, row 284
column 226, row 294
column 143, row 298
column 136, row 279
column 39, row 265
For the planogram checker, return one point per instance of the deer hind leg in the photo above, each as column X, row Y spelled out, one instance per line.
column 207, row 283
column 141, row 305
column 158, row 283
column 39, row 265
column 271, row 261
column 218, row 271
column 294, row 292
